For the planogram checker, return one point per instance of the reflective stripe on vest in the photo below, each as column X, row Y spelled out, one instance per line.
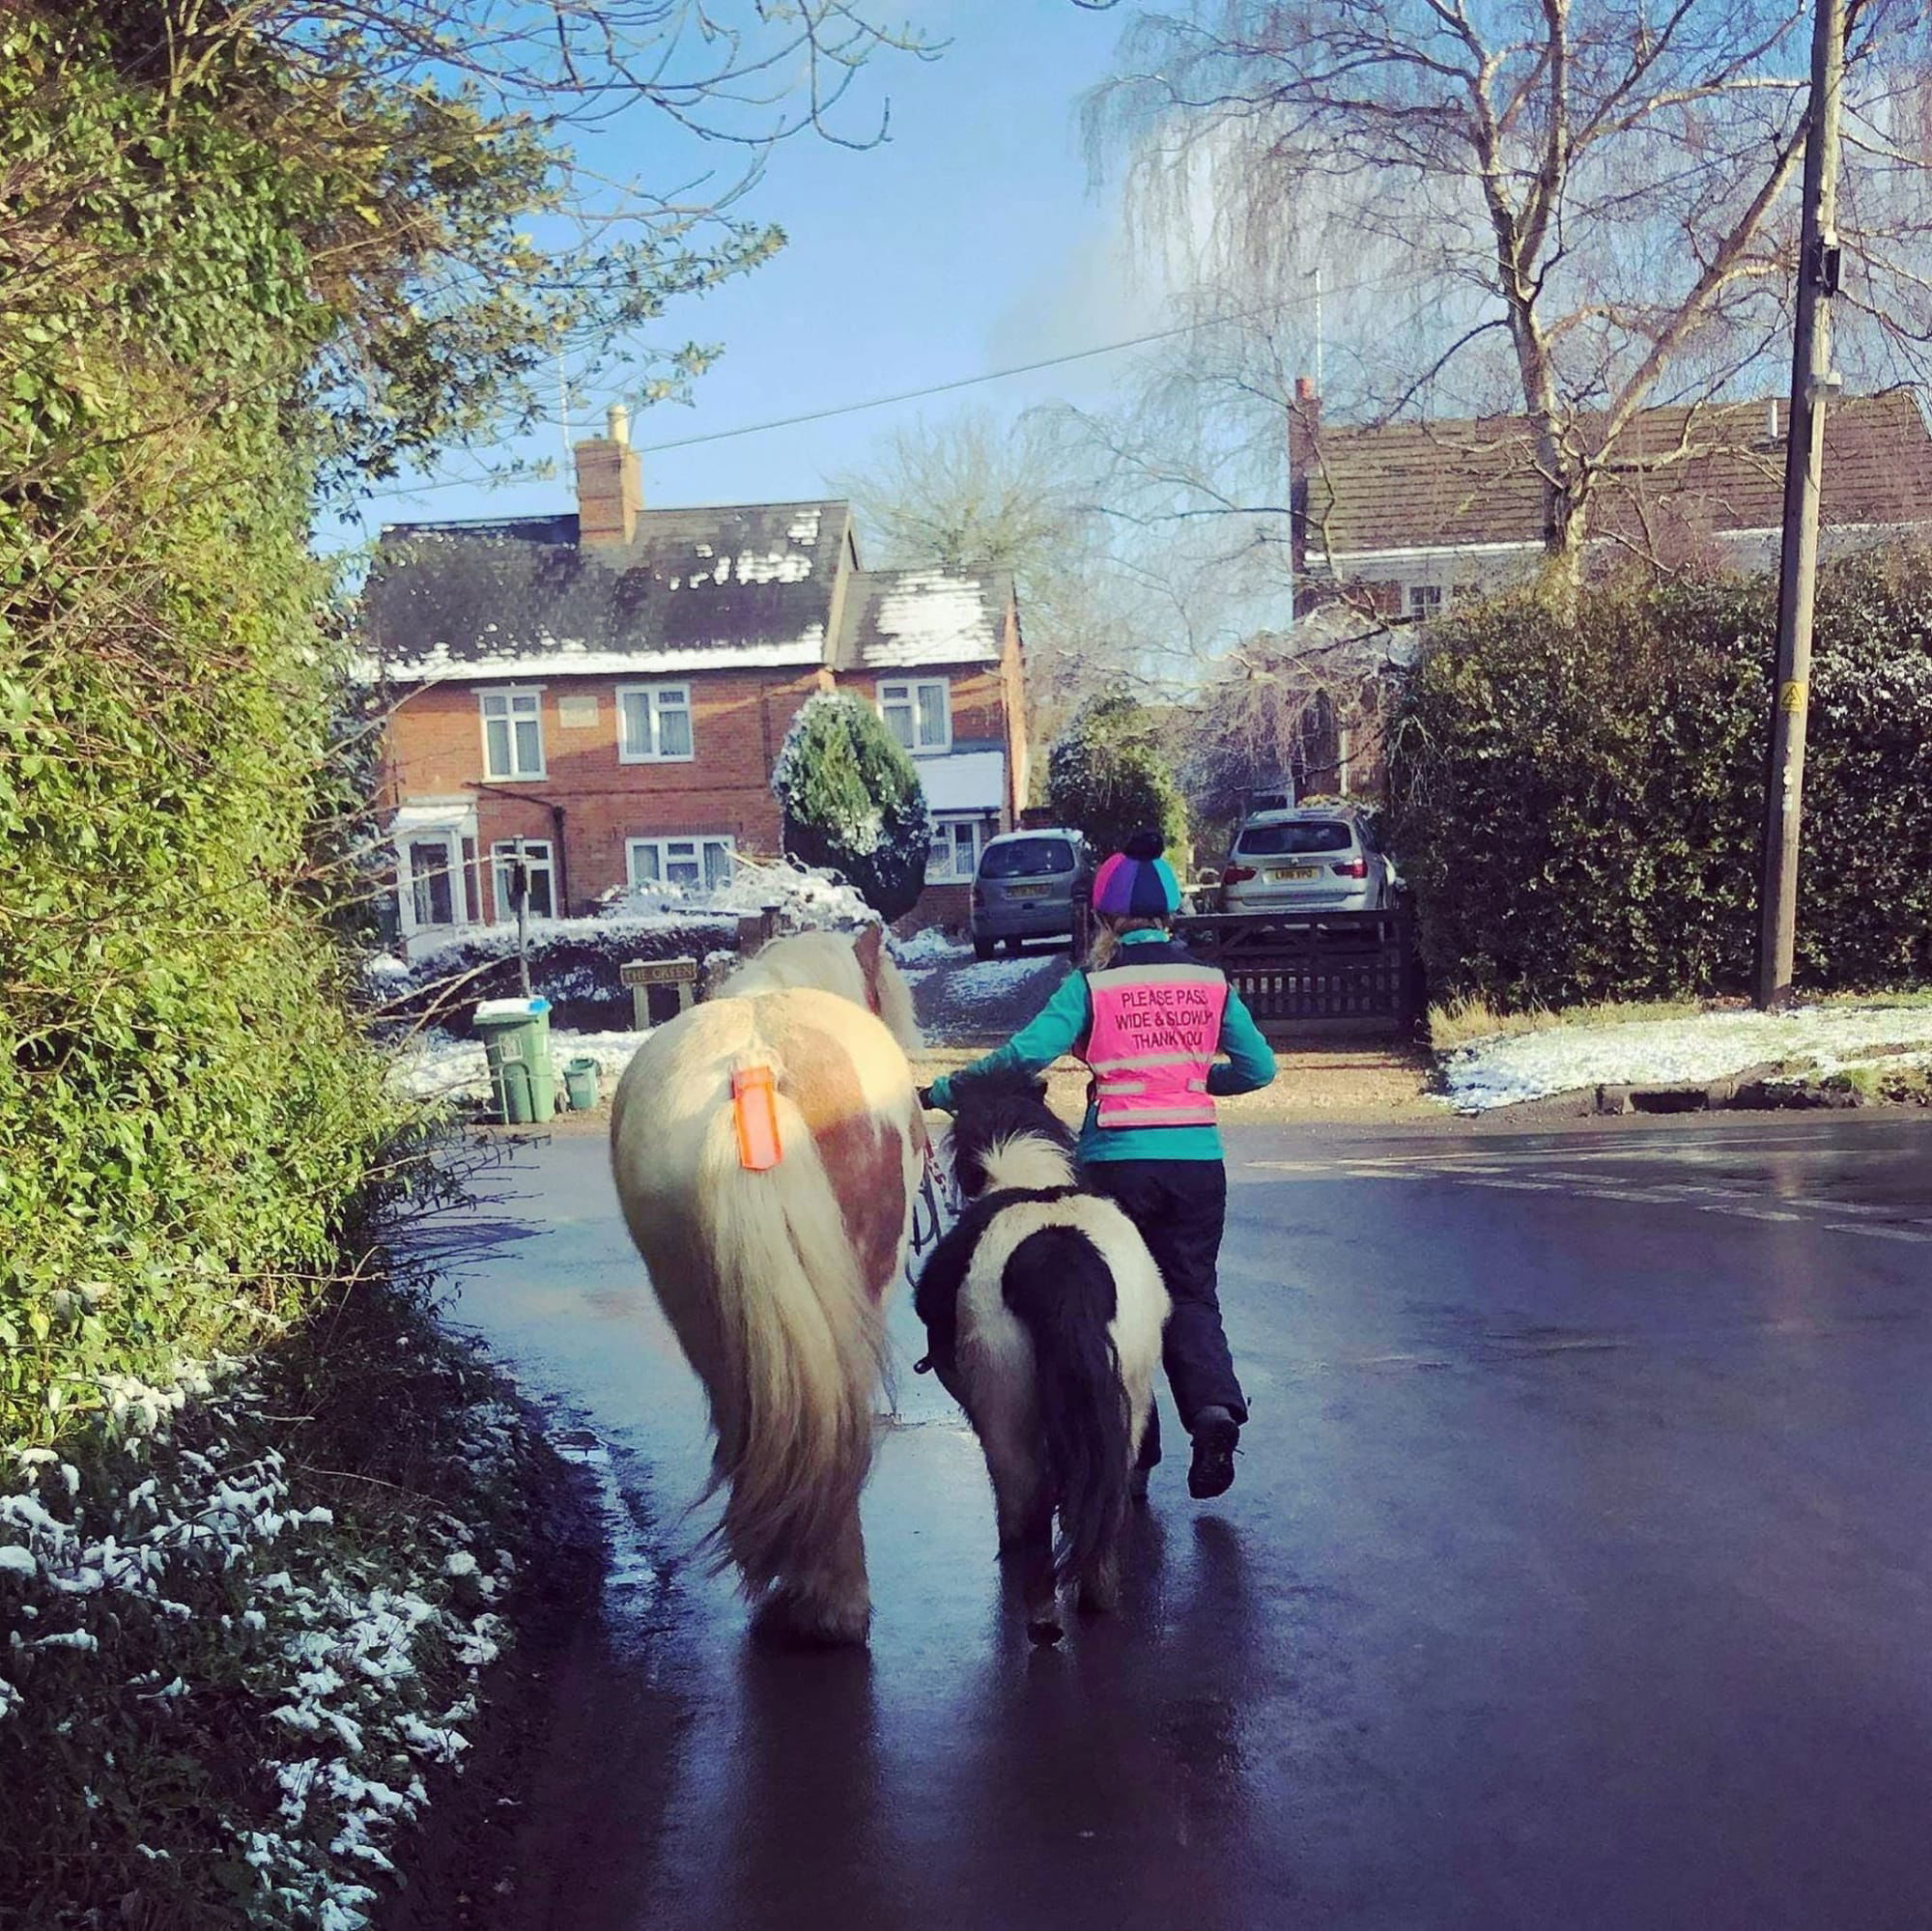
column 1155, row 1031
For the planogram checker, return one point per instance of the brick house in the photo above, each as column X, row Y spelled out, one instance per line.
column 611, row 688
column 1403, row 518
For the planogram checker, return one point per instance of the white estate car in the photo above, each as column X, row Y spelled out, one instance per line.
column 1311, row 859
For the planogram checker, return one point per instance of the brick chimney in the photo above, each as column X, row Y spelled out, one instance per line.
column 609, row 486
column 1304, row 436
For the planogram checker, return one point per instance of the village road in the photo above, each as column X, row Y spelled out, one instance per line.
column 1576, row 1575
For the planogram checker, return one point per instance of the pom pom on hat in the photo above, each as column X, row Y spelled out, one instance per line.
column 1137, row 882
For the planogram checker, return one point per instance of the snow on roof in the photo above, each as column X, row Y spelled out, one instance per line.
column 903, row 619
column 697, row 590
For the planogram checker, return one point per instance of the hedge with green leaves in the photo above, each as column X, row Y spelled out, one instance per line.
column 1577, row 803
column 852, row 802
column 1107, row 776
column 186, row 1105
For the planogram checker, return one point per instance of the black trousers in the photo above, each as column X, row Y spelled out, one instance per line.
column 1180, row 1208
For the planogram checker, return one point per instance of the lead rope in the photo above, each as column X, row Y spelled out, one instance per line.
column 932, row 1206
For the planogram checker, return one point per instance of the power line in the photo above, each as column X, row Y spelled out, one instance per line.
column 930, row 388
column 958, row 382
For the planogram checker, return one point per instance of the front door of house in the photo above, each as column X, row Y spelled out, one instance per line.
column 432, row 890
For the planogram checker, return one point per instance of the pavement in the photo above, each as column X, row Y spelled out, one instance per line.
column 1576, row 1575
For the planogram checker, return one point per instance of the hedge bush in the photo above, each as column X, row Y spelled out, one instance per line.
column 1107, row 776
column 1577, row 803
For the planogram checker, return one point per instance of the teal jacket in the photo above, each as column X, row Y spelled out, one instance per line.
column 1061, row 1027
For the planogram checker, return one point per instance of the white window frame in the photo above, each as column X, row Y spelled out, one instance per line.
column 1424, row 600
column 502, row 852
column 520, row 703
column 902, row 693
column 662, row 841
column 950, row 823
column 654, row 696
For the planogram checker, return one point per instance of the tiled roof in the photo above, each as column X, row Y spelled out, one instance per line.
column 900, row 619
column 696, row 590
column 1693, row 472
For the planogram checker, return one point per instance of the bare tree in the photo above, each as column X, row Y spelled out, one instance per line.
column 977, row 491
column 1589, row 203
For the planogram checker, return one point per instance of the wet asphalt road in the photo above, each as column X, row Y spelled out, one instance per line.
column 1576, row 1575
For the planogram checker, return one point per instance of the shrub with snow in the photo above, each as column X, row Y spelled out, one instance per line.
column 248, row 1620
column 852, row 802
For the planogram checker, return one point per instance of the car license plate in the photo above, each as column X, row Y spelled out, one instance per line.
column 1294, row 871
column 1026, row 891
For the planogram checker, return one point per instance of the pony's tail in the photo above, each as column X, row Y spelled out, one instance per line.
column 802, row 1353
column 1061, row 1293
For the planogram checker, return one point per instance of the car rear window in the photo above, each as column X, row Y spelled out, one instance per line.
column 1303, row 835
column 1028, row 858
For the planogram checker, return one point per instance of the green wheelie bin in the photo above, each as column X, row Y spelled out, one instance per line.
column 516, row 1043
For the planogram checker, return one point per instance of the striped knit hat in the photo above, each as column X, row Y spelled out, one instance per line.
column 1137, row 882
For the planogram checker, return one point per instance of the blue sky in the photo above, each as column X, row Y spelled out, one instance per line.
column 971, row 240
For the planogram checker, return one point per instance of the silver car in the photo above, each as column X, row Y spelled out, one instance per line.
column 1025, row 888
column 1308, row 859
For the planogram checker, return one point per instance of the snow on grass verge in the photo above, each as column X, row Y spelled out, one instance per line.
column 1505, row 1072
column 247, row 1622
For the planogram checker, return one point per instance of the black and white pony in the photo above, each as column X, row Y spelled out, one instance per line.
column 1044, row 1311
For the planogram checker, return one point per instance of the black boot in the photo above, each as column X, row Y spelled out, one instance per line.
column 1211, row 1472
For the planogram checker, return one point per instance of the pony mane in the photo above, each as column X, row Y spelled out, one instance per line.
column 1005, row 1135
column 855, row 966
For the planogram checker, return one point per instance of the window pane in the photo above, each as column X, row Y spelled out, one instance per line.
column 938, row 859
column 524, row 703
column 644, row 865
column 682, row 871
column 673, row 731
column 529, row 746
column 717, row 863
column 542, row 904
column 637, row 724
column 495, row 705
column 898, row 720
column 497, row 738
column 932, row 714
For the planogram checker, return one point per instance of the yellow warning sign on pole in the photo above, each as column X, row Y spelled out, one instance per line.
column 1791, row 698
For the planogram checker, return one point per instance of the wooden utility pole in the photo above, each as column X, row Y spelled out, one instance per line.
column 1804, row 471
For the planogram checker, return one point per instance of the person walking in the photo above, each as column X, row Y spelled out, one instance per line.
column 1150, row 1022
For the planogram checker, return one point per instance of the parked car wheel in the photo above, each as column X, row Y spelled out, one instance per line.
column 983, row 948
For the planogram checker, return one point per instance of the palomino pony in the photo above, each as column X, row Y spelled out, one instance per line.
column 1045, row 1310
column 767, row 1146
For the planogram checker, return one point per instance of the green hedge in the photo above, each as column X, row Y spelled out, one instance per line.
column 186, row 1105
column 1575, row 803
column 1108, row 778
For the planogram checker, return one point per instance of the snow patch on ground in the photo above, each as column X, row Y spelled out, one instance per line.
column 930, row 948
column 434, row 1066
column 1505, row 1072
column 989, row 980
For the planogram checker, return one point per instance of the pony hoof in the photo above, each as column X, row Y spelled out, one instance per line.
column 1043, row 1631
column 785, row 1622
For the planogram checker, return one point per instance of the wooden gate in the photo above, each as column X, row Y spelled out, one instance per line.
column 1307, row 974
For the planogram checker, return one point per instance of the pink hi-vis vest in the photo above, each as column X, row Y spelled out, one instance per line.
column 1155, row 1034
